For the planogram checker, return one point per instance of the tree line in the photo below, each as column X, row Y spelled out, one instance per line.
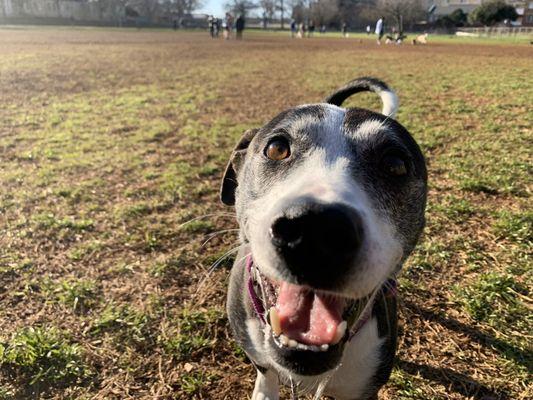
column 401, row 14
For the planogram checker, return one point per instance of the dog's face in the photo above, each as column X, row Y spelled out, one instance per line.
column 331, row 201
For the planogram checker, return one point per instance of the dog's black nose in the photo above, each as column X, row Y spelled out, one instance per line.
column 318, row 242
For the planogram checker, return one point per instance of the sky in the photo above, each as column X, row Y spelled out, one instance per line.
column 214, row 7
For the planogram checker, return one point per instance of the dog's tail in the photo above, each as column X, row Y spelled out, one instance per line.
column 367, row 84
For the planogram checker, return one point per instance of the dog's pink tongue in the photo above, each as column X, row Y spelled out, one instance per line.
column 306, row 316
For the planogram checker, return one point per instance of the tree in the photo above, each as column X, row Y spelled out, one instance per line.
column 324, row 12
column 456, row 19
column 402, row 12
column 492, row 12
column 184, row 7
column 240, row 7
column 269, row 8
column 357, row 13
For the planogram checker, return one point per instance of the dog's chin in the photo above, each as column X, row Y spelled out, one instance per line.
column 305, row 362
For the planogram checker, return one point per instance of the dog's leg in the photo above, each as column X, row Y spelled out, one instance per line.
column 266, row 386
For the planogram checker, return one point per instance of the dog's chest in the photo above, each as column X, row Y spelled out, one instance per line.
column 359, row 364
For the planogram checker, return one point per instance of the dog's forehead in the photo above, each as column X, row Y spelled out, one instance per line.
column 327, row 119
column 297, row 120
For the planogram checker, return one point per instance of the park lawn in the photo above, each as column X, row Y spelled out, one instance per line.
column 112, row 145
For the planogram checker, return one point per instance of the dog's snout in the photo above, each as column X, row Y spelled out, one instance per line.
column 318, row 243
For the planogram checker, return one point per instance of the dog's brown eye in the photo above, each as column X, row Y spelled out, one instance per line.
column 394, row 165
column 278, row 149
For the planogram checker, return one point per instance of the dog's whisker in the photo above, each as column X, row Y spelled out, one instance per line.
column 213, row 267
column 219, row 214
column 222, row 258
column 213, row 235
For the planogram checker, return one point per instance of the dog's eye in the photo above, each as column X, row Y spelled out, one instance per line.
column 278, row 149
column 394, row 165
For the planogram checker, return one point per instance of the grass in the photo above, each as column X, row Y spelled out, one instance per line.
column 112, row 146
column 38, row 357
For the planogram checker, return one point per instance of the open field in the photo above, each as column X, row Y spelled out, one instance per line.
column 111, row 140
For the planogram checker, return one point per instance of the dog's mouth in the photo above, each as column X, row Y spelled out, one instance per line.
column 305, row 319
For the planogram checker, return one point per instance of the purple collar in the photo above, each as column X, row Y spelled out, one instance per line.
column 389, row 289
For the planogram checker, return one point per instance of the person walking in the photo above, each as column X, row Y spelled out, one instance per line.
column 311, row 29
column 239, row 26
column 293, row 28
column 380, row 29
column 344, row 29
column 368, row 29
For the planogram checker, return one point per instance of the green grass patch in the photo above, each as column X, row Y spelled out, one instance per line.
column 43, row 356
column 497, row 299
column 193, row 333
column 516, row 227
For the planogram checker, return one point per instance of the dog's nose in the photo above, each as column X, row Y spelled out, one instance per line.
column 318, row 243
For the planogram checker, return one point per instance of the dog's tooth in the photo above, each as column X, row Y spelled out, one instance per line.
column 302, row 346
column 284, row 340
column 324, row 347
column 293, row 343
column 341, row 330
column 274, row 321
column 314, row 348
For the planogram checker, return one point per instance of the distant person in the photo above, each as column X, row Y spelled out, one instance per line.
column 227, row 25
column 322, row 29
column 380, row 29
column 311, row 30
column 211, row 24
column 368, row 29
column 344, row 29
column 293, row 28
column 239, row 27
column 174, row 24
column 216, row 24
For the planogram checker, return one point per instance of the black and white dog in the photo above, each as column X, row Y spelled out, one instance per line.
column 330, row 202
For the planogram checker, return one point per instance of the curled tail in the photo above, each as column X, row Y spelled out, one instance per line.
column 367, row 84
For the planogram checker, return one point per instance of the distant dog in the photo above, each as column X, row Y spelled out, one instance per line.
column 330, row 202
column 421, row 39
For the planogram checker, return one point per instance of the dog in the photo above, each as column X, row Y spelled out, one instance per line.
column 421, row 39
column 330, row 202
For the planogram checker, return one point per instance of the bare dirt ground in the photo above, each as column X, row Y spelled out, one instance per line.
column 110, row 141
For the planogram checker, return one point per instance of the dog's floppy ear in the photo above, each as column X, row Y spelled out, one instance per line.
column 229, row 181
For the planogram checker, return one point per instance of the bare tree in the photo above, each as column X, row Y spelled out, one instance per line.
column 240, row 7
column 268, row 8
column 357, row 13
column 324, row 12
column 402, row 12
column 186, row 6
column 300, row 10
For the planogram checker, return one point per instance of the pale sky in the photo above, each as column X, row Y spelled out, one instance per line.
column 214, row 7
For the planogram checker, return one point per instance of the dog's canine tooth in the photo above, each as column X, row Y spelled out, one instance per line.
column 284, row 340
column 274, row 321
column 293, row 343
column 341, row 330
column 324, row 347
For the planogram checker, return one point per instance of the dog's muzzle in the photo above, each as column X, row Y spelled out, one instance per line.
column 317, row 243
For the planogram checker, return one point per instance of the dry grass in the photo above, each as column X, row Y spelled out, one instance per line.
column 111, row 140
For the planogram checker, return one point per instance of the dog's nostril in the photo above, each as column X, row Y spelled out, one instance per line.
column 286, row 232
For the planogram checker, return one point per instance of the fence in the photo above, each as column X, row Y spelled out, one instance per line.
column 496, row 31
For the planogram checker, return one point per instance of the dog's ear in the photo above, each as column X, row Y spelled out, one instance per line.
column 229, row 181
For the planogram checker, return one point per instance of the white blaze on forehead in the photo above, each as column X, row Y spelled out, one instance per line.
column 329, row 124
column 368, row 128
